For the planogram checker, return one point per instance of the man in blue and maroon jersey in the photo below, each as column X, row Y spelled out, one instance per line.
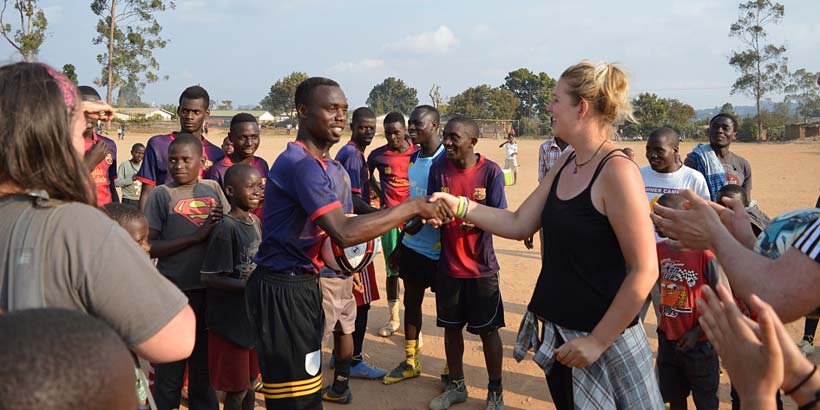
column 392, row 160
column 301, row 209
column 244, row 138
column 100, row 154
column 192, row 111
column 467, row 291
column 351, row 156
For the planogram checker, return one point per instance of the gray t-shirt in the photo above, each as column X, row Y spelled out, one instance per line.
column 738, row 171
column 94, row 266
column 179, row 211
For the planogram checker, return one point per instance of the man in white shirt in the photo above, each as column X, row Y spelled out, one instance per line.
column 511, row 158
column 666, row 174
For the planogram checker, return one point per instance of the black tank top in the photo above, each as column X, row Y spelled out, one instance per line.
column 583, row 266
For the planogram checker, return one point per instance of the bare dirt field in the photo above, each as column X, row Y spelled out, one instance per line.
column 785, row 176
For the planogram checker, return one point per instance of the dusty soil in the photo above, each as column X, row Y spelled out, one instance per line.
column 785, row 177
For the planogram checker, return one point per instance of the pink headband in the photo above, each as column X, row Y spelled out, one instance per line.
column 66, row 86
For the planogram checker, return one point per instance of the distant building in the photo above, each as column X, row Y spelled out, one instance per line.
column 127, row 114
column 805, row 130
column 222, row 118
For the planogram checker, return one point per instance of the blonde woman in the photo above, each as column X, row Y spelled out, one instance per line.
column 599, row 259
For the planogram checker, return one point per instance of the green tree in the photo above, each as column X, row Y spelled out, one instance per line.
column 727, row 108
column 484, row 102
column 225, row 105
column 70, row 71
column 653, row 112
column 392, row 95
column 762, row 67
column 534, row 91
column 29, row 36
column 804, row 92
column 282, row 93
column 129, row 53
column 130, row 95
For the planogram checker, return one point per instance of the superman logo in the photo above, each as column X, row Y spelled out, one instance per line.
column 195, row 210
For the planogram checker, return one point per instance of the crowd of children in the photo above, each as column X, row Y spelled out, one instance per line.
column 241, row 240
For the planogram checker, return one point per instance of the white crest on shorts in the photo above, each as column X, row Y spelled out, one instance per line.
column 313, row 362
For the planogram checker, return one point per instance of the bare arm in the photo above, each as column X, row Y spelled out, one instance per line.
column 797, row 275
column 222, row 281
column 518, row 225
column 350, row 231
column 175, row 341
column 374, row 183
column 626, row 208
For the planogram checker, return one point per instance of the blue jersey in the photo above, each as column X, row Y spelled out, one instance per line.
column 427, row 241
column 299, row 189
column 354, row 162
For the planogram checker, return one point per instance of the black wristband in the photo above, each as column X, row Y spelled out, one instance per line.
column 802, row 382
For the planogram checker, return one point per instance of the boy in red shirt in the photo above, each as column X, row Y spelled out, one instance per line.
column 686, row 360
column 392, row 160
column 100, row 154
column 467, row 291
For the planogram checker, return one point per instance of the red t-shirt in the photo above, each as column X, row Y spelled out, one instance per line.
column 392, row 166
column 468, row 254
column 682, row 274
column 105, row 172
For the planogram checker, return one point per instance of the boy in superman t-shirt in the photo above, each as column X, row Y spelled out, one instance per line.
column 467, row 291
column 181, row 216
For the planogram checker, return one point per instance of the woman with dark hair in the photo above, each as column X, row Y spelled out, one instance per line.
column 599, row 258
column 56, row 249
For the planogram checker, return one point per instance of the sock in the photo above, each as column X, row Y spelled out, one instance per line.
column 393, row 305
column 411, row 351
column 446, row 370
column 495, row 386
column 341, row 376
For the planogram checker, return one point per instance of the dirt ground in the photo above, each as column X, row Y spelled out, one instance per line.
column 785, row 177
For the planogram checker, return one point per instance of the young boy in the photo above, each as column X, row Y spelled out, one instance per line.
column 467, row 291
column 192, row 111
column 393, row 187
column 351, row 157
column 228, row 264
column 417, row 254
column 100, row 154
column 181, row 216
column 686, row 361
column 511, row 154
column 758, row 218
column 131, row 219
column 227, row 146
column 127, row 176
column 243, row 139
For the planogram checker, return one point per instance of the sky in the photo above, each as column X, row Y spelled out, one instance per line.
column 237, row 49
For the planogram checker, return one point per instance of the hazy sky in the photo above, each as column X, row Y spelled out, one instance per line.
column 237, row 48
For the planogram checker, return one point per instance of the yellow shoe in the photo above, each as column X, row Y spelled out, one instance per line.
column 402, row 372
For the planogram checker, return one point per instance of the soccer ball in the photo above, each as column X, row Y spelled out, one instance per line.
column 351, row 259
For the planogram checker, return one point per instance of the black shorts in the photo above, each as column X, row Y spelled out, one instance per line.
column 474, row 302
column 417, row 268
column 288, row 320
column 696, row 370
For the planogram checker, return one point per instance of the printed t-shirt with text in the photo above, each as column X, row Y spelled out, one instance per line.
column 682, row 275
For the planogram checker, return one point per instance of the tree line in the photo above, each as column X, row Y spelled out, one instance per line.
column 128, row 33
